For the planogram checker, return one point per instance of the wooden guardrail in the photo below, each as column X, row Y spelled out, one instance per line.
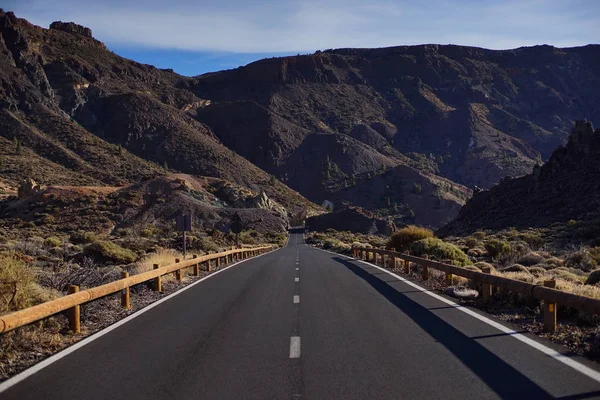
column 72, row 302
column 487, row 281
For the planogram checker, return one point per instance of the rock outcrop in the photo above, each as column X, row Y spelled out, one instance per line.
column 28, row 188
column 71, row 27
column 564, row 188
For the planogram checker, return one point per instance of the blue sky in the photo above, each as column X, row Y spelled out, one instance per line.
column 195, row 37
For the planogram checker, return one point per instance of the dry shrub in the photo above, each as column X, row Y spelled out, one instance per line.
column 537, row 271
column 479, row 235
column 515, row 268
column 162, row 257
column 564, row 274
column 531, row 259
column 582, row 260
column 402, row 239
column 18, row 286
column 520, row 276
column 477, row 252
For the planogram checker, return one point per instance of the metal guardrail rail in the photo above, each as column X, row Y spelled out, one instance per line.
column 546, row 292
column 72, row 302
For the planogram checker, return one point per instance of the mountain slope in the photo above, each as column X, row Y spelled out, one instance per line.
column 565, row 188
column 478, row 114
column 68, row 100
column 330, row 125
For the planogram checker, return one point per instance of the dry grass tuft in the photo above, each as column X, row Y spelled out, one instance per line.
column 162, row 257
column 18, row 285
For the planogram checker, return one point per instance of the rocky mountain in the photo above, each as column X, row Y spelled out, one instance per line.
column 403, row 131
column 564, row 189
column 74, row 113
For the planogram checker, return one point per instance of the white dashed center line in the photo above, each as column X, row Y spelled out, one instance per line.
column 295, row 347
column 296, row 299
column 297, row 279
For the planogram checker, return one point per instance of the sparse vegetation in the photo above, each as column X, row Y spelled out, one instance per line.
column 401, row 239
column 440, row 250
column 497, row 248
column 109, row 252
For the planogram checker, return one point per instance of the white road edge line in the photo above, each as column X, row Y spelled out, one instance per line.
column 7, row 384
column 296, row 299
column 295, row 347
column 574, row 364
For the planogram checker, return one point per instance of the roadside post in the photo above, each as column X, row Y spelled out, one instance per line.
column 184, row 224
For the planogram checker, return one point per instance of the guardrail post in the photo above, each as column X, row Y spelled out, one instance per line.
column 486, row 288
column 74, row 313
column 218, row 262
column 178, row 274
column 125, row 294
column 425, row 269
column 157, row 281
column 196, row 267
column 382, row 256
column 406, row 267
column 393, row 259
column 550, row 310
column 449, row 278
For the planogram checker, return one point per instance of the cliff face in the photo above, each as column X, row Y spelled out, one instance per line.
column 564, row 188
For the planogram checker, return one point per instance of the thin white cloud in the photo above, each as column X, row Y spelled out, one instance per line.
column 299, row 26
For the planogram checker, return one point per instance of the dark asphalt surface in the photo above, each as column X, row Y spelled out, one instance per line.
column 364, row 335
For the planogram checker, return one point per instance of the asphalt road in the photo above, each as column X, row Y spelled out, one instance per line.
column 301, row 323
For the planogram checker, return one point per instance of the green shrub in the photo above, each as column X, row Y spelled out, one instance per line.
column 471, row 242
column 440, row 250
column 83, row 237
column 402, row 239
column 110, row 252
column 531, row 239
column 497, row 248
column 208, row 245
column 593, row 278
column 147, row 233
column 248, row 237
column 53, row 241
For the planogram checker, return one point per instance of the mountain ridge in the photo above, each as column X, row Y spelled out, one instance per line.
column 359, row 127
